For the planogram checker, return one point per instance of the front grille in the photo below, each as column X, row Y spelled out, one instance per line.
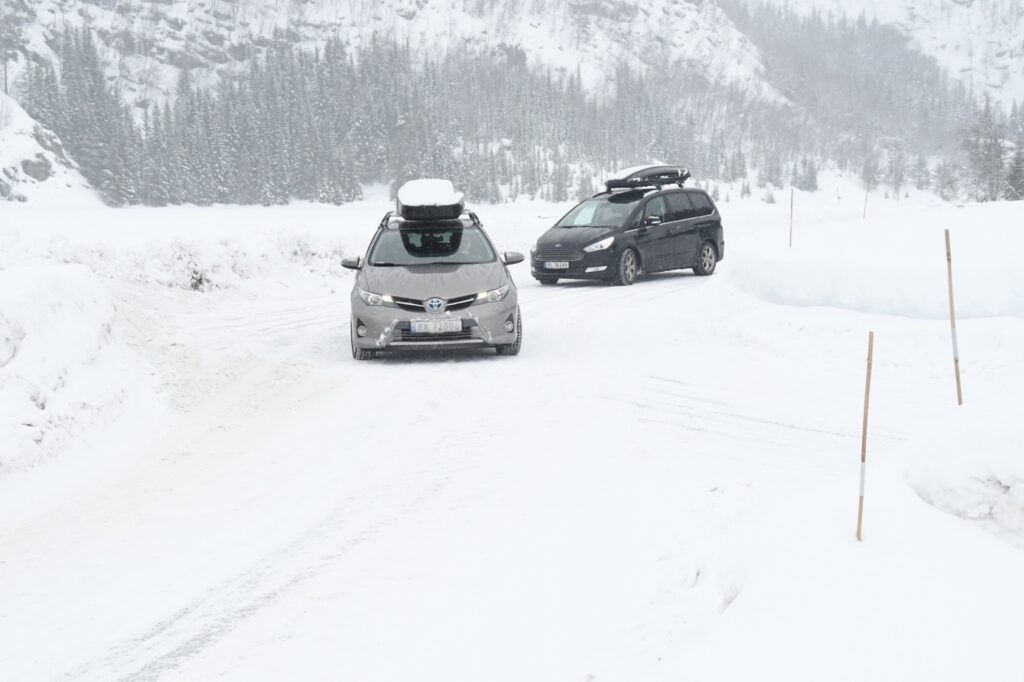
column 407, row 336
column 461, row 302
column 409, row 304
column 417, row 305
column 552, row 254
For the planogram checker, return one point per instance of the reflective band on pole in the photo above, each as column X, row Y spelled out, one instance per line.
column 863, row 473
column 956, row 349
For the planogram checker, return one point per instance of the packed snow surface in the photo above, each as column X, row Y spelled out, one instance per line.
column 661, row 486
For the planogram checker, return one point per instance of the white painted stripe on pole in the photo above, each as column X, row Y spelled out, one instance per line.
column 956, row 349
column 863, row 471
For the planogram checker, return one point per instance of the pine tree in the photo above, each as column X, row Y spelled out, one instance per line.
column 1015, row 175
column 922, row 174
column 869, row 171
column 984, row 145
column 12, row 39
column 947, row 180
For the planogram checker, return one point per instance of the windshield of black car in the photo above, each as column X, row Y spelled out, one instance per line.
column 607, row 210
column 431, row 245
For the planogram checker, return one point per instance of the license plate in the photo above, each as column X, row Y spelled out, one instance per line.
column 557, row 265
column 445, row 326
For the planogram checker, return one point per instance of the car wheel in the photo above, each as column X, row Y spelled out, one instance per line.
column 360, row 353
column 707, row 259
column 513, row 348
column 547, row 281
column 627, row 268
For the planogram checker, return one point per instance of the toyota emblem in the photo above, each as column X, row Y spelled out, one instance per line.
column 435, row 305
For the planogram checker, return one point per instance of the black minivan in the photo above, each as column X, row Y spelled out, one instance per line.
column 645, row 222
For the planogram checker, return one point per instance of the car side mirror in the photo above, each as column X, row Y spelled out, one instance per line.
column 652, row 220
column 512, row 257
column 352, row 263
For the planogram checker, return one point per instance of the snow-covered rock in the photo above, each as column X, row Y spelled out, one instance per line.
column 980, row 42
column 148, row 42
column 33, row 163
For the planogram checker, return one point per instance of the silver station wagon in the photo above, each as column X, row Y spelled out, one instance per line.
column 432, row 279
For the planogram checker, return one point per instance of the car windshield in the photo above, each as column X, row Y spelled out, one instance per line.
column 433, row 245
column 607, row 210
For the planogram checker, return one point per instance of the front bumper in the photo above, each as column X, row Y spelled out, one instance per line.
column 483, row 325
column 596, row 265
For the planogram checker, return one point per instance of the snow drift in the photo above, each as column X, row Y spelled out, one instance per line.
column 972, row 466
column 62, row 367
column 897, row 267
column 186, row 248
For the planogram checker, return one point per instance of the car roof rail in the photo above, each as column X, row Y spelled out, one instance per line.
column 648, row 176
column 385, row 222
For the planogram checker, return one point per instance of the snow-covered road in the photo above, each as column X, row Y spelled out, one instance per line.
column 595, row 508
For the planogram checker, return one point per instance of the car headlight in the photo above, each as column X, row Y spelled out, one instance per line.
column 494, row 295
column 370, row 298
column 601, row 245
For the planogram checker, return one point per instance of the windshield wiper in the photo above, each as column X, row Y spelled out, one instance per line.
column 385, row 265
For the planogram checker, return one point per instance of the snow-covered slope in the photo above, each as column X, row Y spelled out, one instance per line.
column 150, row 40
column 980, row 42
column 33, row 164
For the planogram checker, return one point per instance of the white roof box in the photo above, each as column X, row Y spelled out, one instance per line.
column 429, row 199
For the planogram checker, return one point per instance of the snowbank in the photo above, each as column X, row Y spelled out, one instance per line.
column 891, row 265
column 184, row 247
column 62, row 366
column 33, row 165
column 972, row 466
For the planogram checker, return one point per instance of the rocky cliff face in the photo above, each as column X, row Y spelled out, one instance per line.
column 980, row 42
column 33, row 163
column 147, row 42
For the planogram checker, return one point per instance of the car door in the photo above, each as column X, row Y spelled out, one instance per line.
column 682, row 227
column 652, row 240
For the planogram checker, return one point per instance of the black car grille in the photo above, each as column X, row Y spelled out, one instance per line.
column 418, row 306
column 553, row 254
column 408, row 336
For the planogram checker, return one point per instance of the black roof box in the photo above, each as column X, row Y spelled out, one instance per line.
column 429, row 199
column 648, row 176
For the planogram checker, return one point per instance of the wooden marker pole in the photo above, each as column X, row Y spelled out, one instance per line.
column 790, row 217
column 952, row 322
column 864, row 436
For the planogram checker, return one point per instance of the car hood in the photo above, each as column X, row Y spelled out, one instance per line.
column 573, row 237
column 426, row 281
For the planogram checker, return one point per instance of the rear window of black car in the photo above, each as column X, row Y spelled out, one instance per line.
column 679, row 207
column 702, row 203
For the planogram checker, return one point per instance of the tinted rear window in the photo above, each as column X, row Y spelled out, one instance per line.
column 702, row 203
column 679, row 206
